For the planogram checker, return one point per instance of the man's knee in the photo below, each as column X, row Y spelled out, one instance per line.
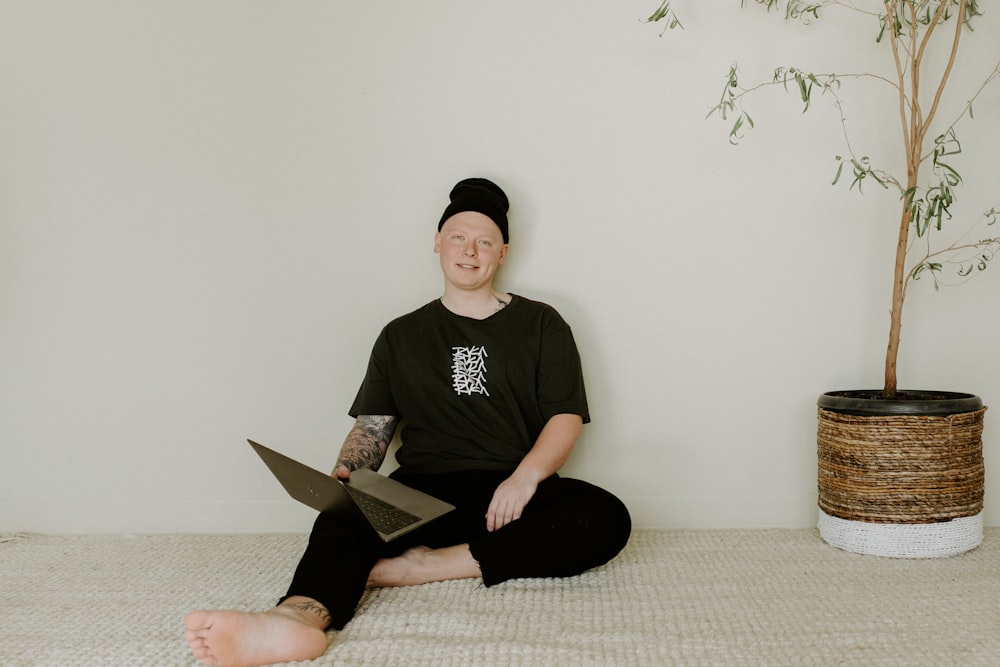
column 612, row 521
column 601, row 519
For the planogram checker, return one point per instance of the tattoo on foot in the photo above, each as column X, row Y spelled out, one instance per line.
column 314, row 608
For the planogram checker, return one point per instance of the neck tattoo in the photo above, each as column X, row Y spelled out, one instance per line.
column 501, row 304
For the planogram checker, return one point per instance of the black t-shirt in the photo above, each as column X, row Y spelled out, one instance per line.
column 474, row 394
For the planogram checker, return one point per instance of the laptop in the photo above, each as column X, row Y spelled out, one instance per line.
column 388, row 507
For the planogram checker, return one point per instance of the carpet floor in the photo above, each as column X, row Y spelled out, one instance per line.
column 673, row 597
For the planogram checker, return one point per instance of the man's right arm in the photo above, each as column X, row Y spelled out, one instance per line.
column 365, row 446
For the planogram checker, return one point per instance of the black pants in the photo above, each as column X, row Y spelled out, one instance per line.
column 568, row 527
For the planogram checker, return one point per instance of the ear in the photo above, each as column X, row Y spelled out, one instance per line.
column 503, row 253
column 437, row 242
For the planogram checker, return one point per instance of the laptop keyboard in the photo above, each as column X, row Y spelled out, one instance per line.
column 386, row 518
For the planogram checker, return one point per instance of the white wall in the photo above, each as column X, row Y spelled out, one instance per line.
column 209, row 209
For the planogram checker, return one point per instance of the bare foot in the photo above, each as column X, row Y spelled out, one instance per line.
column 286, row 633
column 422, row 565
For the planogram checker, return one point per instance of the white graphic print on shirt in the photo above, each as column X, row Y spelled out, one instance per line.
column 468, row 370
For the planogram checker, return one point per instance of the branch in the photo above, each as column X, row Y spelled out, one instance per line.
column 732, row 100
column 959, row 24
column 978, row 255
column 890, row 15
column 804, row 83
column 968, row 106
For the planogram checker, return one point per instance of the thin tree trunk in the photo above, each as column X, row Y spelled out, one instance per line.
column 898, row 295
column 914, row 131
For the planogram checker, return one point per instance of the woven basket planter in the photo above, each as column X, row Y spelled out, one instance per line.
column 901, row 478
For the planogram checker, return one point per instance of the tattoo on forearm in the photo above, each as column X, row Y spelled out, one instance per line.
column 314, row 608
column 368, row 441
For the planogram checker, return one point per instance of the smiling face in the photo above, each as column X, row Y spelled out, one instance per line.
column 471, row 249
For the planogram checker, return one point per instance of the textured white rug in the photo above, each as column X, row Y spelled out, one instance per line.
column 736, row 597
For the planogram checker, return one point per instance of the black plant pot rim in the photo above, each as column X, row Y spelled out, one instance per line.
column 871, row 402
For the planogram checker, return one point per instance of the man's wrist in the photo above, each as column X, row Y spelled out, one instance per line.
column 529, row 474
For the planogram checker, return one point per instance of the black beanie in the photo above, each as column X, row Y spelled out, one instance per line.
column 482, row 196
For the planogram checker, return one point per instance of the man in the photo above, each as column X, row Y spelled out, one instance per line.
column 491, row 388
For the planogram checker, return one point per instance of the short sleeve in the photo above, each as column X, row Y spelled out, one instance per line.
column 375, row 394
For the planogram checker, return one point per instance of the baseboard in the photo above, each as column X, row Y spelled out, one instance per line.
column 160, row 516
column 284, row 515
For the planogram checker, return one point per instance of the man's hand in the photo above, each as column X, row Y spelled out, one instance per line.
column 341, row 472
column 549, row 452
column 509, row 501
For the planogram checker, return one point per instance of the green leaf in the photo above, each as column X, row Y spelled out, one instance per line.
column 840, row 170
column 734, row 134
column 664, row 11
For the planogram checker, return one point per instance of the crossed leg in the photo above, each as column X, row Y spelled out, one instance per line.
column 423, row 565
column 294, row 630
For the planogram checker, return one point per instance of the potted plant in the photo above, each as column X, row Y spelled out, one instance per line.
column 900, row 471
